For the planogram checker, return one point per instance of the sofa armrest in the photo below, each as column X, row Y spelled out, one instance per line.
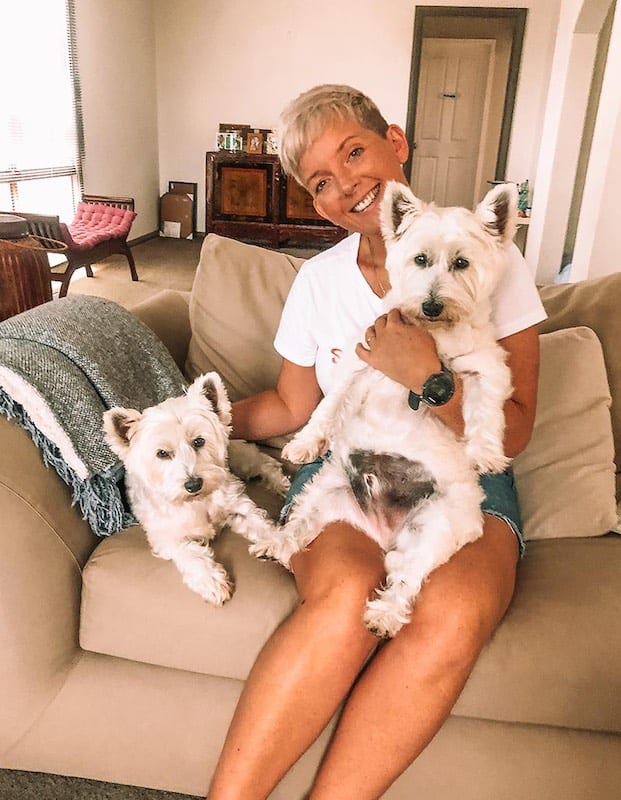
column 44, row 543
column 168, row 314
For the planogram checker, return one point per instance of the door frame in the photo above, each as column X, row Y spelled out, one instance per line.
column 518, row 15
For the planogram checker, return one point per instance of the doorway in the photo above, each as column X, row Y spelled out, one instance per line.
column 465, row 64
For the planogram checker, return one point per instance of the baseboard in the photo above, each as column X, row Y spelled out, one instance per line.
column 155, row 235
column 144, row 238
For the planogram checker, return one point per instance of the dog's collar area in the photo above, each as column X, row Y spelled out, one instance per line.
column 437, row 390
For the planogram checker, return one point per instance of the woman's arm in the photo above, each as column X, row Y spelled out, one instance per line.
column 391, row 353
column 281, row 410
column 520, row 408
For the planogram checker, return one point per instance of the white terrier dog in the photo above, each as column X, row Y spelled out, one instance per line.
column 180, row 488
column 403, row 476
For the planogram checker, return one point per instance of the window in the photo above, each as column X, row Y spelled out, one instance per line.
column 40, row 122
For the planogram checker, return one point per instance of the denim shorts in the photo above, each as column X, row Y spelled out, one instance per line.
column 500, row 499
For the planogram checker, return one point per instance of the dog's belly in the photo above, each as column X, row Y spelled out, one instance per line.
column 387, row 487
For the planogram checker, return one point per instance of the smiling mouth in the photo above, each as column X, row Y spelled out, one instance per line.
column 366, row 201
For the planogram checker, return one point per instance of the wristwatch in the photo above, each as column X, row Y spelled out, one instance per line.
column 437, row 390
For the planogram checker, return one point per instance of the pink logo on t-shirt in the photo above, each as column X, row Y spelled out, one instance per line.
column 336, row 354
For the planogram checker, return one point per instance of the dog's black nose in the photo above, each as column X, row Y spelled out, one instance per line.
column 432, row 308
column 193, row 485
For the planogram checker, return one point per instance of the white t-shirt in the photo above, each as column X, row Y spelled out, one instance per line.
column 330, row 305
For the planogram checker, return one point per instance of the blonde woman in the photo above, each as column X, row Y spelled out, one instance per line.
column 335, row 142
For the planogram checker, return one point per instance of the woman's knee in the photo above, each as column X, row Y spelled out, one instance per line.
column 461, row 606
column 462, row 635
column 338, row 573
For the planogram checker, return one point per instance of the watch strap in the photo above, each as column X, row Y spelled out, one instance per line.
column 414, row 399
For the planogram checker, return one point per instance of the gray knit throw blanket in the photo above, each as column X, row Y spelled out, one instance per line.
column 62, row 364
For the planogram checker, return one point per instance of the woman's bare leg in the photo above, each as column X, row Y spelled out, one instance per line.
column 411, row 684
column 306, row 669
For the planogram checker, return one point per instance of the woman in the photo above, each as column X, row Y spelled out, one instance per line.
column 335, row 142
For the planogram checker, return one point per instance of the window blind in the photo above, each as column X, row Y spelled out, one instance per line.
column 41, row 134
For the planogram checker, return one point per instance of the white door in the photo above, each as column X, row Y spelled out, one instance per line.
column 451, row 110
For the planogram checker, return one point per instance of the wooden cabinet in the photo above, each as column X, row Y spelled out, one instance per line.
column 248, row 197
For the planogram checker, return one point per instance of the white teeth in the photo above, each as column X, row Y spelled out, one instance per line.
column 366, row 200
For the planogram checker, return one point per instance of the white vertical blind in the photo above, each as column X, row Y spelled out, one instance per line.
column 40, row 124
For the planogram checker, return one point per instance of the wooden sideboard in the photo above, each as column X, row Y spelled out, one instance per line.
column 249, row 197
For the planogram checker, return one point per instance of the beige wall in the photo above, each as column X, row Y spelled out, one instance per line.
column 158, row 76
column 574, row 57
column 116, row 56
column 598, row 236
column 241, row 62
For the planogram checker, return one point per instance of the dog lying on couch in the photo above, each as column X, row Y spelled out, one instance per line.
column 112, row 669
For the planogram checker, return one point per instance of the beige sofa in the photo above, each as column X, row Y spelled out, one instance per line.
column 111, row 669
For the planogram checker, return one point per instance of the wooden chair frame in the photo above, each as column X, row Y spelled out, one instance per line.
column 51, row 231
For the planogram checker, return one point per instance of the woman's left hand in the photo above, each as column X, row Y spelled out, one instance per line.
column 406, row 353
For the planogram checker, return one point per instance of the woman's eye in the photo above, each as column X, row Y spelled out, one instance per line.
column 198, row 443
column 421, row 260
column 461, row 263
column 163, row 454
column 356, row 152
column 320, row 186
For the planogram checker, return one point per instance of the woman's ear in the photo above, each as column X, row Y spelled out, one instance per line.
column 398, row 139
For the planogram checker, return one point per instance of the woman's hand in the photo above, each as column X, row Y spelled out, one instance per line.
column 406, row 353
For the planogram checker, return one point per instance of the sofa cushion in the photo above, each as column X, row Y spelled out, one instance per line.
column 555, row 658
column 237, row 298
column 594, row 303
column 567, row 608
column 566, row 475
column 135, row 606
column 97, row 222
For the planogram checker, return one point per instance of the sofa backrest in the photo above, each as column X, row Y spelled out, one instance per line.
column 235, row 306
column 595, row 304
column 239, row 291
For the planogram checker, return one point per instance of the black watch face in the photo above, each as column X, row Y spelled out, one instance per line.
column 438, row 389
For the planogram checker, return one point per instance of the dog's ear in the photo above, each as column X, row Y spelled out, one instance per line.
column 399, row 207
column 497, row 212
column 211, row 388
column 120, row 424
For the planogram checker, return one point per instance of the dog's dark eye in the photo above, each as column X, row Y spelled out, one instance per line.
column 163, row 454
column 421, row 260
column 198, row 443
column 461, row 263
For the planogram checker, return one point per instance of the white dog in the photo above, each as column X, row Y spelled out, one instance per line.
column 402, row 476
column 180, row 488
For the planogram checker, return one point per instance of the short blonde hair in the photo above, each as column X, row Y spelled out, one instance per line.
column 303, row 120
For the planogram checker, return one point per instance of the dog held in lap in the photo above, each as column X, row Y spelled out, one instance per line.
column 412, row 485
column 179, row 484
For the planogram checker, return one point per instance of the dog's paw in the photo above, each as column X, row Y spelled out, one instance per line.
column 302, row 450
column 209, row 581
column 490, row 461
column 277, row 548
column 275, row 479
column 246, row 461
column 382, row 619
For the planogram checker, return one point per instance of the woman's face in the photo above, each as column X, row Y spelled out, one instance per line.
column 346, row 168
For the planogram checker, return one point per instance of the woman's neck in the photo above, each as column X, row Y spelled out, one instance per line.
column 372, row 263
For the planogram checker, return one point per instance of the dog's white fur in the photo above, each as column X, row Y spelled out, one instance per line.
column 177, row 456
column 402, row 476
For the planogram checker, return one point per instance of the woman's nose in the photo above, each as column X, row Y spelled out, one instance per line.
column 347, row 182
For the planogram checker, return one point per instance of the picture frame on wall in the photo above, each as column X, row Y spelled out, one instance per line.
column 254, row 142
